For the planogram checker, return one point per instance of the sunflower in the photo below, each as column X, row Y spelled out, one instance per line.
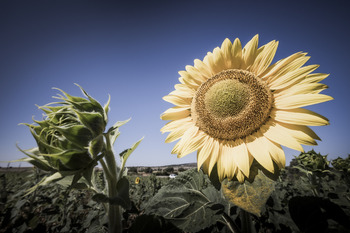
column 234, row 107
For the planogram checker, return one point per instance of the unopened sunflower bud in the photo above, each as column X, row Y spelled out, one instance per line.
column 71, row 134
column 313, row 161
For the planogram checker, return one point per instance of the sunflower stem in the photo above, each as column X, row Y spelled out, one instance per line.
column 246, row 222
column 114, row 212
column 110, row 168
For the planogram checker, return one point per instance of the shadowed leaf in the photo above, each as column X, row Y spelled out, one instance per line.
column 189, row 201
column 250, row 196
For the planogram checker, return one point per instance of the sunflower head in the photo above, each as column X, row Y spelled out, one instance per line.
column 313, row 161
column 70, row 135
column 234, row 107
column 341, row 164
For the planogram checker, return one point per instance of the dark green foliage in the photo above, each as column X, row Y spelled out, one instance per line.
column 147, row 188
column 152, row 223
column 342, row 164
column 169, row 170
column 312, row 161
column 132, row 169
column 304, row 199
column 147, row 170
column 303, row 188
column 188, row 202
column 310, row 214
column 50, row 208
column 181, row 169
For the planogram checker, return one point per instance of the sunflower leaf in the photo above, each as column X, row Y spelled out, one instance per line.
column 189, row 198
column 122, row 198
column 250, row 196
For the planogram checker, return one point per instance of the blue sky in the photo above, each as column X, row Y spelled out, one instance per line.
column 133, row 51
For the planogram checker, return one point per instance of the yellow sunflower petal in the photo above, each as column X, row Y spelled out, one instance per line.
column 204, row 152
column 175, row 124
column 196, row 74
column 236, row 54
column 205, row 166
column 188, row 92
column 240, row 176
column 208, row 60
column 189, row 79
column 188, row 82
column 301, row 100
column 223, row 161
column 250, row 51
column 177, row 100
column 226, row 163
column 264, row 59
column 190, row 132
column 219, row 62
column 259, row 151
column 178, row 132
column 276, row 152
column 314, row 78
column 276, row 133
column 175, row 113
column 305, row 88
column 240, row 156
column 204, row 69
column 299, row 116
column 300, row 133
column 183, row 93
column 226, row 49
column 284, row 66
column 292, row 77
column 192, row 145
column 214, row 155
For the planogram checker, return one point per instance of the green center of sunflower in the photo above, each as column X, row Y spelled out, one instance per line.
column 232, row 104
column 227, row 98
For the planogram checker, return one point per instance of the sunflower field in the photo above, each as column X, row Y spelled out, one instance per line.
column 311, row 195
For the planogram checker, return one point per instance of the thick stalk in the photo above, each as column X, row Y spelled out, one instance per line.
column 114, row 212
column 246, row 222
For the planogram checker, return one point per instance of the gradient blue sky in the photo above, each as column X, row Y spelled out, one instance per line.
column 133, row 51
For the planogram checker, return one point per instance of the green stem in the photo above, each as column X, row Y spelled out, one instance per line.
column 246, row 222
column 110, row 168
column 110, row 159
column 106, row 172
column 114, row 213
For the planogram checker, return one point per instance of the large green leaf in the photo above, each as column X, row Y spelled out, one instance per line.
column 122, row 198
column 251, row 195
column 190, row 202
